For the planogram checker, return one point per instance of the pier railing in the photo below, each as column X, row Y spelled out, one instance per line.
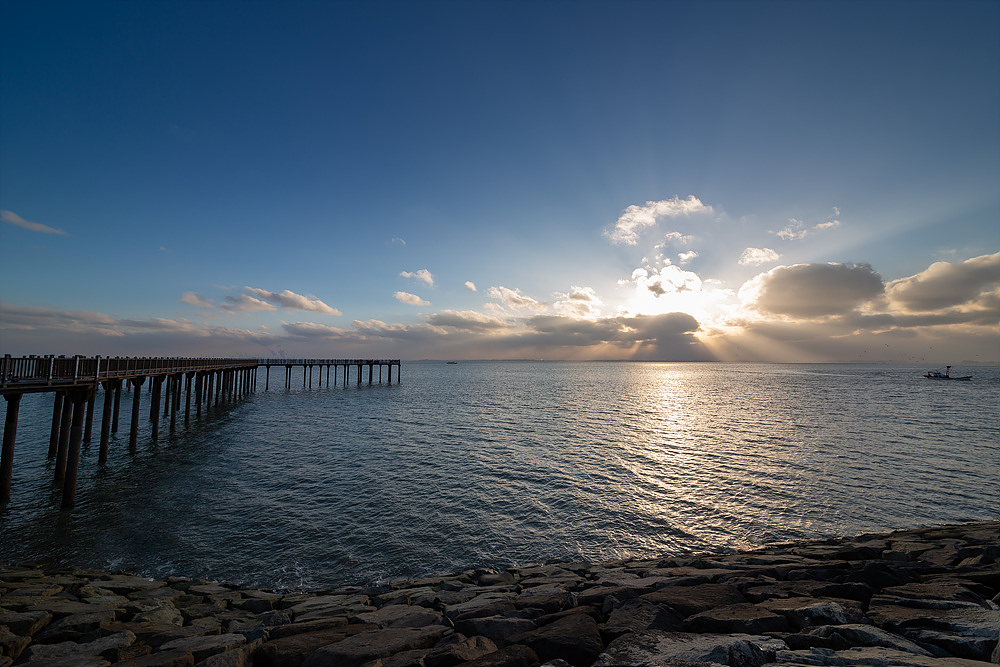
column 34, row 373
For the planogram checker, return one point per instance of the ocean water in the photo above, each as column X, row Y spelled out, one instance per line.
column 499, row 463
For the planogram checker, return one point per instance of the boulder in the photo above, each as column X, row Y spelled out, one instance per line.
column 400, row 616
column 203, row 647
column 359, row 649
column 868, row 635
column 495, row 628
column 176, row 658
column 874, row 656
column 654, row 647
column 510, row 656
column 690, row 600
column 638, row 615
column 805, row 612
column 743, row 618
column 25, row 623
column 574, row 638
column 292, row 650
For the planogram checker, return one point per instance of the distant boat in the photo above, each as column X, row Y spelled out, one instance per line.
column 938, row 375
column 451, row 363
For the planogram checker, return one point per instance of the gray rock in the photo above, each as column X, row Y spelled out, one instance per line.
column 874, row 656
column 805, row 612
column 510, row 656
column 574, row 637
column 638, row 615
column 203, row 647
column 743, row 618
column 655, row 647
column 869, row 635
column 25, row 623
column 495, row 628
column 690, row 600
column 359, row 649
column 400, row 616
column 72, row 628
column 176, row 658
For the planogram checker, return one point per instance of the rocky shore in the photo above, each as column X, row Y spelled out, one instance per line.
column 915, row 597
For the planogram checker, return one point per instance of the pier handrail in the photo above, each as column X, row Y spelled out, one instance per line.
column 50, row 369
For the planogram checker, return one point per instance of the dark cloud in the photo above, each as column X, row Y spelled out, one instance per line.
column 945, row 285
column 813, row 290
column 465, row 321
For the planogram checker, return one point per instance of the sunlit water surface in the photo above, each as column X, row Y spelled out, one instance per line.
column 493, row 464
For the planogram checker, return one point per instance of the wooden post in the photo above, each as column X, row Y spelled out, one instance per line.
column 7, row 453
column 64, row 425
column 73, row 457
column 134, row 425
column 155, row 411
column 102, row 455
column 56, row 414
column 89, row 429
column 118, row 399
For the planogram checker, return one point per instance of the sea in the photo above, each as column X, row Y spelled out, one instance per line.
column 498, row 464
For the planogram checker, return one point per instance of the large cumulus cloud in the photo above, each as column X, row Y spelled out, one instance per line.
column 945, row 285
column 805, row 291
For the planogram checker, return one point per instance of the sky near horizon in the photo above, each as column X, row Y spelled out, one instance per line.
column 740, row 181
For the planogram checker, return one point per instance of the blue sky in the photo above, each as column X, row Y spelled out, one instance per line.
column 780, row 181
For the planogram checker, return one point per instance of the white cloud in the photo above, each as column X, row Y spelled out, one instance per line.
column 469, row 285
column 512, row 298
column 796, row 229
column 411, row 299
column 674, row 239
column 398, row 240
column 289, row 299
column 579, row 302
column 422, row 274
column 758, row 256
column 686, row 257
column 197, row 300
column 245, row 303
column 636, row 218
column 15, row 219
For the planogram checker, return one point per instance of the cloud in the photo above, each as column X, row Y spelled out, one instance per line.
column 946, row 285
column 580, row 302
column 758, row 256
column 466, row 320
column 422, row 274
column 686, row 257
column 411, row 299
column 197, row 300
column 670, row 280
column 469, row 285
column 636, row 218
column 812, row 290
column 15, row 219
column 289, row 299
column 796, row 229
column 244, row 303
column 674, row 239
column 513, row 299
column 398, row 240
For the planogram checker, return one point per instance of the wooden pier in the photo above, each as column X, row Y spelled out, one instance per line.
column 75, row 381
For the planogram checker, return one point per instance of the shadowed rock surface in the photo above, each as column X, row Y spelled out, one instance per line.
column 910, row 598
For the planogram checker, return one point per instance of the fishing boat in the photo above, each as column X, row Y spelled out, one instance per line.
column 938, row 375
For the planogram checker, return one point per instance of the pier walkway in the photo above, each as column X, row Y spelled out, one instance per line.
column 75, row 381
